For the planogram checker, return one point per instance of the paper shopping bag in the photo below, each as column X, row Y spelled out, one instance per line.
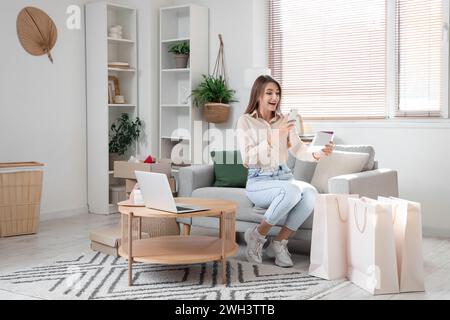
column 372, row 262
column 407, row 220
column 328, row 258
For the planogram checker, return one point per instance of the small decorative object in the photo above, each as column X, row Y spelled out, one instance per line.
column 213, row 92
column 36, row 31
column 119, row 99
column 183, row 92
column 181, row 52
column 124, row 132
column 150, row 159
column 115, row 32
column 113, row 89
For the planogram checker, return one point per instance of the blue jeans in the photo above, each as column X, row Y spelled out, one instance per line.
column 289, row 202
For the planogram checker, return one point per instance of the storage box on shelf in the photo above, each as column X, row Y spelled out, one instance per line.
column 118, row 193
column 107, row 240
column 125, row 170
column 130, row 184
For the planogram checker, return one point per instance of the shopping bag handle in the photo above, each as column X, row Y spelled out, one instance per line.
column 365, row 219
column 339, row 211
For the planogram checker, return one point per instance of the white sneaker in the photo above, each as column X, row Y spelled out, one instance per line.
column 255, row 243
column 279, row 251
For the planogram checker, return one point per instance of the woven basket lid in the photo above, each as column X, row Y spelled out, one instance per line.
column 36, row 31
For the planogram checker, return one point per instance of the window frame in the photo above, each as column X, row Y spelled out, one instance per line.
column 393, row 85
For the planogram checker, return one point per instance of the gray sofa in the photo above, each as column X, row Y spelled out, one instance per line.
column 198, row 180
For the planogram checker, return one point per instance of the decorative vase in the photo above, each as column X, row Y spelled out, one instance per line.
column 216, row 112
column 181, row 60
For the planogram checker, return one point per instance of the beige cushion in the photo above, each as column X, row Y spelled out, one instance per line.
column 361, row 149
column 338, row 163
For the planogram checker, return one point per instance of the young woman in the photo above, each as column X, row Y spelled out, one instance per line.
column 265, row 137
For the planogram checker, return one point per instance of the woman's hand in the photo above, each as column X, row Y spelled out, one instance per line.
column 286, row 126
column 328, row 150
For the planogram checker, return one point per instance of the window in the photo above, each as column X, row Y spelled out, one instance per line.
column 419, row 35
column 332, row 57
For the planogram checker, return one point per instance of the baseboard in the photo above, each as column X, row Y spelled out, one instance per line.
column 436, row 232
column 63, row 213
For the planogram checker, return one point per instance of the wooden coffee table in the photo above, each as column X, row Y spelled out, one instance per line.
column 178, row 249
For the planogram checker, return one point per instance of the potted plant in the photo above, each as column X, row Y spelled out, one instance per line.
column 214, row 94
column 181, row 52
column 124, row 132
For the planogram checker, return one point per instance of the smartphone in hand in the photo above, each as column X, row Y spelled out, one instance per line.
column 293, row 115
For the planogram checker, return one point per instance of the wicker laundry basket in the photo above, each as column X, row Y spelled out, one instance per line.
column 20, row 197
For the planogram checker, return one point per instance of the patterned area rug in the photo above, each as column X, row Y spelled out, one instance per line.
column 99, row 276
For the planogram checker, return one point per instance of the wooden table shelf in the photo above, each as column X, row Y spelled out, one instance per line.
column 179, row 249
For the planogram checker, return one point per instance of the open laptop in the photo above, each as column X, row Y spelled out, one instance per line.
column 156, row 193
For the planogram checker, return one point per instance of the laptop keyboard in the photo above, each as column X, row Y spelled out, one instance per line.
column 183, row 208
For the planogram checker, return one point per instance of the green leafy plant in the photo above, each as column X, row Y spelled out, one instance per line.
column 181, row 48
column 124, row 132
column 213, row 90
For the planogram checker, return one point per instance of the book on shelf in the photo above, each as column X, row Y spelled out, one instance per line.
column 120, row 65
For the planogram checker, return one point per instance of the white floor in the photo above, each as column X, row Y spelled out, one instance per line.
column 71, row 235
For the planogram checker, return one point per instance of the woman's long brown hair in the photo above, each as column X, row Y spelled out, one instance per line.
column 257, row 91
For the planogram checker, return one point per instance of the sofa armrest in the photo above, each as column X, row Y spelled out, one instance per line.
column 193, row 177
column 373, row 183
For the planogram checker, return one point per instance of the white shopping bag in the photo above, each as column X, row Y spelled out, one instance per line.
column 328, row 258
column 407, row 220
column 372, row 262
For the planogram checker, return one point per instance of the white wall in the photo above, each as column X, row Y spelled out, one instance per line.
column 419, row 151
column 43, row 106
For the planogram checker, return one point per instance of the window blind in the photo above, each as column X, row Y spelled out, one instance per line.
column 330, row 56
column 419, row 35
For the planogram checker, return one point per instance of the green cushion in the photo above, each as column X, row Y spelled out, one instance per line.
column 228, row 169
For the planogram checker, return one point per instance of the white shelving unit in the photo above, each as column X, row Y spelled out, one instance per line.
column 100, row 51
column 188, row 23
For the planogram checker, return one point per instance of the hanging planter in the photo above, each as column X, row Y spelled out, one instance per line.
column 216, row 112
column 213, row 92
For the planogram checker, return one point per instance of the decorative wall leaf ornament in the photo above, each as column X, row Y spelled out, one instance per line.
column 36, row 31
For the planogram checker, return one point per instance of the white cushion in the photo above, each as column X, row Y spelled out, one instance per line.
column 338, row 163
column 361, row 149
